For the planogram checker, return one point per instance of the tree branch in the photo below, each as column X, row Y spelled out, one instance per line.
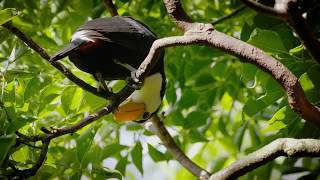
column 178, row 15
column 111, row 7
column 33, row 45
column 228, row 16
column 281, row 147
column 156, row 126
column 197, row 33
column 264, row 9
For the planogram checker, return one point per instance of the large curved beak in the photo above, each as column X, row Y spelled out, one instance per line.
column 64, row 52
column 129, row 111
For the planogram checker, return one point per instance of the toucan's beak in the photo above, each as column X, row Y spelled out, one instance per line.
column 129, row 111
column 64, row 52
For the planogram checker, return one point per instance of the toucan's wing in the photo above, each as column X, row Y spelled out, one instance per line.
column 123, row 31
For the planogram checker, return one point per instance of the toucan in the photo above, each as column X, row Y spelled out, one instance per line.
column 112, row 49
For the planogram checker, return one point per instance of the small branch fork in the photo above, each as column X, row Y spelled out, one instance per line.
column 288, row 10
column 195, row 33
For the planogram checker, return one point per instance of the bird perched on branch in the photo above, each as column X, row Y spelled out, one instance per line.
column 113, row 48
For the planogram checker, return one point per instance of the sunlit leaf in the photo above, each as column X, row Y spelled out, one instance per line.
column 156, row 155
column 136, row 155
column 7, row 14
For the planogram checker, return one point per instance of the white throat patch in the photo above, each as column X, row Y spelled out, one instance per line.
column 149, row 94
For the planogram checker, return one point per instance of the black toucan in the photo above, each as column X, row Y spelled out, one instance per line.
column 113, row 48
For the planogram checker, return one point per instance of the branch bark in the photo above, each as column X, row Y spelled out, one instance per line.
column 159, row 129
column 281, row 147
column 205, row 34
column 111, row 7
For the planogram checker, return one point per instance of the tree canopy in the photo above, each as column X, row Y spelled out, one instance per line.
column 220, row 103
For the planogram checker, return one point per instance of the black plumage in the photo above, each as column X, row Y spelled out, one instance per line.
column 115, row 40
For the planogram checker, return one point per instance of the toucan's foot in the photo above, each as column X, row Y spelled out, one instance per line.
column 136, row 83
column 102, row 83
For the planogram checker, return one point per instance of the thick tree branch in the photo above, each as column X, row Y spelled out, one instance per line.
column 33, row 45
column 229, row 16
column 250, row 54
column 156, row 126
column 288, row 10
column 281, row 147
column 111, row 7
column 177, row 13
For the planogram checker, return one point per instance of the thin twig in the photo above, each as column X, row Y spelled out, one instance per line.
column 111, row 7
column 264, row 9
column 159, row 129
column 281, row 147
column 228, row 16
column 33, row 45
column 19, row 174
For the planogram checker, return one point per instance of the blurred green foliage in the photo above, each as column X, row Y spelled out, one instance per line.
column 214, row 102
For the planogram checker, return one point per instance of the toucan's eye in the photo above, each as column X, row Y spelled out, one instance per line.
column 145, row 115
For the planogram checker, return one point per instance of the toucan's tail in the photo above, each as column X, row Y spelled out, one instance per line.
column 64, row 52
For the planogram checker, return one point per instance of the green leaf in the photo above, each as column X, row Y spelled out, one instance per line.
column 6, row 143
column 32, row 88
column 267, row 40
column 280, row 119
column 156, row 155
column 111, row 150
column 71, row 98
column 196, row 136
column 7, row 14
column 136, row 155
column 218, row 163
column 104, row 173
column 239, row 135
column 84, row 142
column 246, row 31
column 310, row 79
column 226, row 101
column 252, row 107
column 195, row 119
column 122, row 164
column 254, row 136
column 188, row 98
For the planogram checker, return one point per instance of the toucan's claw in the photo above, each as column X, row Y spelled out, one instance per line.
column 135, row 82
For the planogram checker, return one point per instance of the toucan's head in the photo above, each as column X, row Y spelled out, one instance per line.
column 81, row 40
column 142, row 103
